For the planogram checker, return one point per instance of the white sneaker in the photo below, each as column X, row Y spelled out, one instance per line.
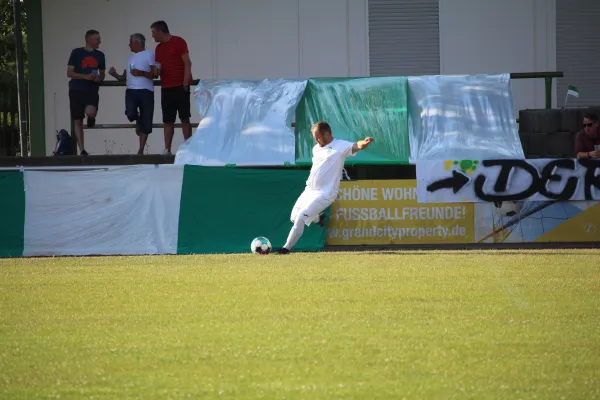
column 166, row 152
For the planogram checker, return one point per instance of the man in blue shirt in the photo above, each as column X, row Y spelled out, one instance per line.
column 86, row 69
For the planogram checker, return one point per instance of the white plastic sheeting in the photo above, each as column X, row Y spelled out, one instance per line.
column 125, row 210
column 244, row 123
column 461, row 117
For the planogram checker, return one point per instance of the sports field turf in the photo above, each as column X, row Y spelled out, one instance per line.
column 515, row 324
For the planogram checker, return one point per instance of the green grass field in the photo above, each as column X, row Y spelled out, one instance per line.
column 416, row 325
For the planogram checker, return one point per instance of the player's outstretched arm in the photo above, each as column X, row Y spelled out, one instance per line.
column 361, row 144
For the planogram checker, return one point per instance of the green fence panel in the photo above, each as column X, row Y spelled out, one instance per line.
column 356, row 108
column 223, row 209
column 12, row 214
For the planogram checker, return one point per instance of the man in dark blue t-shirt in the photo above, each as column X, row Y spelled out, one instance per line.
column 86, row 69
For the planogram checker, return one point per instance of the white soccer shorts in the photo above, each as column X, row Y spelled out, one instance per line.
column 308, row 207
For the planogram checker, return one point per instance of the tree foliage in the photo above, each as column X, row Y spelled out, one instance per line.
column 8, row 56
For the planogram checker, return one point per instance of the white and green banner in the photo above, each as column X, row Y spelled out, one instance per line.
column 126, row 210
column 172, row 209
column 148, row 209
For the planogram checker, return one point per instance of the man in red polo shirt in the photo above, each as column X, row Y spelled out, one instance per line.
column 175, row 70
column 587, row 141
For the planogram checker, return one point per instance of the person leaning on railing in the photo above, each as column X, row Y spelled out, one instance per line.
column 587, row 141
column 86, row 68
column 139, row 96
column 175, row 70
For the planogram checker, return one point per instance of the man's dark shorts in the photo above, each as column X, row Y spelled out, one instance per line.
column 139, row 106
column 175, row 100
column 80, row 99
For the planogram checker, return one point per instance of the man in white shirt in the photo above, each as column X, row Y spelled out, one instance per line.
column 329, row 156
column 139, row 96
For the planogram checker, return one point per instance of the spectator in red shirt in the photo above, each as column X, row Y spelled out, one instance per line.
column 587, row 141
column 175, row 70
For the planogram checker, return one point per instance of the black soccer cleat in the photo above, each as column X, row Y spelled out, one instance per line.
column 282, row 251
column 321, row 222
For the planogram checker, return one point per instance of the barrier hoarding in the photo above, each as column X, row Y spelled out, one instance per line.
column 386, row 212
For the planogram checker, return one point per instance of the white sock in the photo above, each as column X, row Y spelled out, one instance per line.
column 295, row 234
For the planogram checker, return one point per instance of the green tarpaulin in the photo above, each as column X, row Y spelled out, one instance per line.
column 12, row 214
column 223, row 209
column 356, row 108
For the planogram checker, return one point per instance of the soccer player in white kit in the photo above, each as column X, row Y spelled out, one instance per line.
column 323, row 183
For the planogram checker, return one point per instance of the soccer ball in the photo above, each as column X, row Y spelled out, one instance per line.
column 508, row 208
column 260, row 245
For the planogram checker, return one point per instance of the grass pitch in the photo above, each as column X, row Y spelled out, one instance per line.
column 478, row 324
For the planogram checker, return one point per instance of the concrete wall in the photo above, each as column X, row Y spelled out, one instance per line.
column 228, row 39
column 489, row 36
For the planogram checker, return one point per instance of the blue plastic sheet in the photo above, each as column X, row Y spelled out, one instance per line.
column 461, row 117
column 246, row 123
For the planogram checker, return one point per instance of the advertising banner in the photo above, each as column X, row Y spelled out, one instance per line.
column 450, row 181
column 537, row 221
column 386, row 212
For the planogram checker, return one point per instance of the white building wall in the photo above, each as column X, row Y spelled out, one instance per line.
column 253, row 39
column 490, row 36
column 228, row 39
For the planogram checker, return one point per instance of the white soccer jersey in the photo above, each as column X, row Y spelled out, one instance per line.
column 142, row 61
column 328, row 164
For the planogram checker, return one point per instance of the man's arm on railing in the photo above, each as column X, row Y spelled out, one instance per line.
column 588, row 154
column 145, row 74
column 74, row 75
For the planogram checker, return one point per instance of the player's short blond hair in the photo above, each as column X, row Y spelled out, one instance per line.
column 321, row 127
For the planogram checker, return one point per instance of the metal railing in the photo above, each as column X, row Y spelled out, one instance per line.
column 115, row 126
column 547, row 76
